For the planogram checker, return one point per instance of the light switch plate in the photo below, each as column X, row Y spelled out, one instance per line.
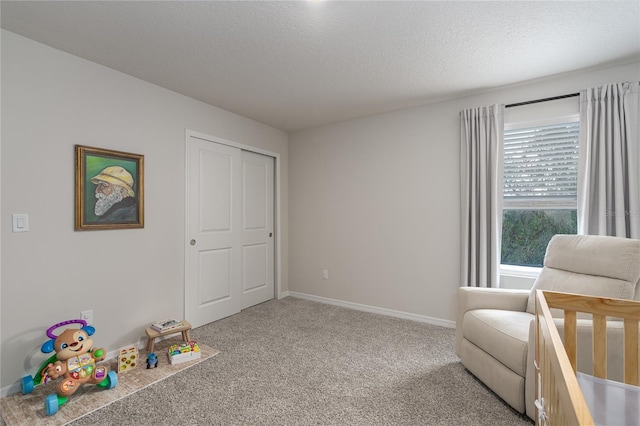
column 20, row 222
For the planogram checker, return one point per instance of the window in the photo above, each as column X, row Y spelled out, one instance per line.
column 540, row 188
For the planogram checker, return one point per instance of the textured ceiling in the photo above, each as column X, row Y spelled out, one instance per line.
column 300, row 64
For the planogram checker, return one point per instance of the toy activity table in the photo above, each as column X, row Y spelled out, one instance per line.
column 154, row 334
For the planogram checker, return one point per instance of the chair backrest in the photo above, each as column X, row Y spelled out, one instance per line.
column 593, row 265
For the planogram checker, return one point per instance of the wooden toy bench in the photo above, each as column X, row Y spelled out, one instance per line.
column 154, row 334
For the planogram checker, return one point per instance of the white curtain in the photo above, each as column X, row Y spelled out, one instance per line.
column 609, row 161
column 481, row 165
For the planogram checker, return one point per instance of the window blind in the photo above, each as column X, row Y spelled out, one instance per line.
column 541, row 166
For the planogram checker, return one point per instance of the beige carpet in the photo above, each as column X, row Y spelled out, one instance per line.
column 29, row 409
column 294, row 362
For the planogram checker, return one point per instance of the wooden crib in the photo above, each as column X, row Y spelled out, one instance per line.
column 560, row 390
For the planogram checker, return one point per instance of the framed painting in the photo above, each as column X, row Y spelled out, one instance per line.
column 109, row 189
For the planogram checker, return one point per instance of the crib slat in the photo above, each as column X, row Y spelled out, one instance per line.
column 631, row 352
column 571, row 337
column 600, row 346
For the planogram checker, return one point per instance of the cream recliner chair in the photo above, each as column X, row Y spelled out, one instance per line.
column 494, row 329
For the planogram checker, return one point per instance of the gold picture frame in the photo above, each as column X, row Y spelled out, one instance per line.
column 109, row 189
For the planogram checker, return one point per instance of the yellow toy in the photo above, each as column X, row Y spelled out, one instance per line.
column 127, row 359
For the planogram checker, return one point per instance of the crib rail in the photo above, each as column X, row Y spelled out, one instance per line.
column 559, row 399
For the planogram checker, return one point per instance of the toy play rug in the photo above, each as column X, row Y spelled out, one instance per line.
column 29, row 409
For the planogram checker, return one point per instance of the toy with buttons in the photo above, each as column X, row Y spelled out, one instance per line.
column 74, row 361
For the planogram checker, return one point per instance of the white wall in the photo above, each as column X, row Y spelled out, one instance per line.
column 376, row 201
column 50, row 101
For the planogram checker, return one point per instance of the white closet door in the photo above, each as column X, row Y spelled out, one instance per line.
column 230, row 255
column 257, row 241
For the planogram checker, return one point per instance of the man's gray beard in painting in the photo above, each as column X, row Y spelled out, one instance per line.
column 104, row 202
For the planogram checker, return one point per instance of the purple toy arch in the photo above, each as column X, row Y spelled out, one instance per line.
column 50, row 334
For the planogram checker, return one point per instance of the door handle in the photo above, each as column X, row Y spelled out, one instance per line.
column 192, row 242
column 270, row 234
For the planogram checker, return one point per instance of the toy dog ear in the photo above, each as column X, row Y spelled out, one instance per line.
column 89, row 329
column 47, row 347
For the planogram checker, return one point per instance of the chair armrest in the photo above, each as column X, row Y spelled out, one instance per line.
column 471, row 298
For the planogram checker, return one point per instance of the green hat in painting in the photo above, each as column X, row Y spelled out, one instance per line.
column 116, row 175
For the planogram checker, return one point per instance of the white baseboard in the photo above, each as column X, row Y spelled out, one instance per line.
column 374, row 309
column 283, row 294
column 11, row 389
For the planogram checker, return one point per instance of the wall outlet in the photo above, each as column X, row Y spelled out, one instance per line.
column 325, row 274
column 87, row 316
column 20, row 222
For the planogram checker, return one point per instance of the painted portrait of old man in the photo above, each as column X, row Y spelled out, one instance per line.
column 109, row 189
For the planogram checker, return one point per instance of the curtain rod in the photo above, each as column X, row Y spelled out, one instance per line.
column 571, row 95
